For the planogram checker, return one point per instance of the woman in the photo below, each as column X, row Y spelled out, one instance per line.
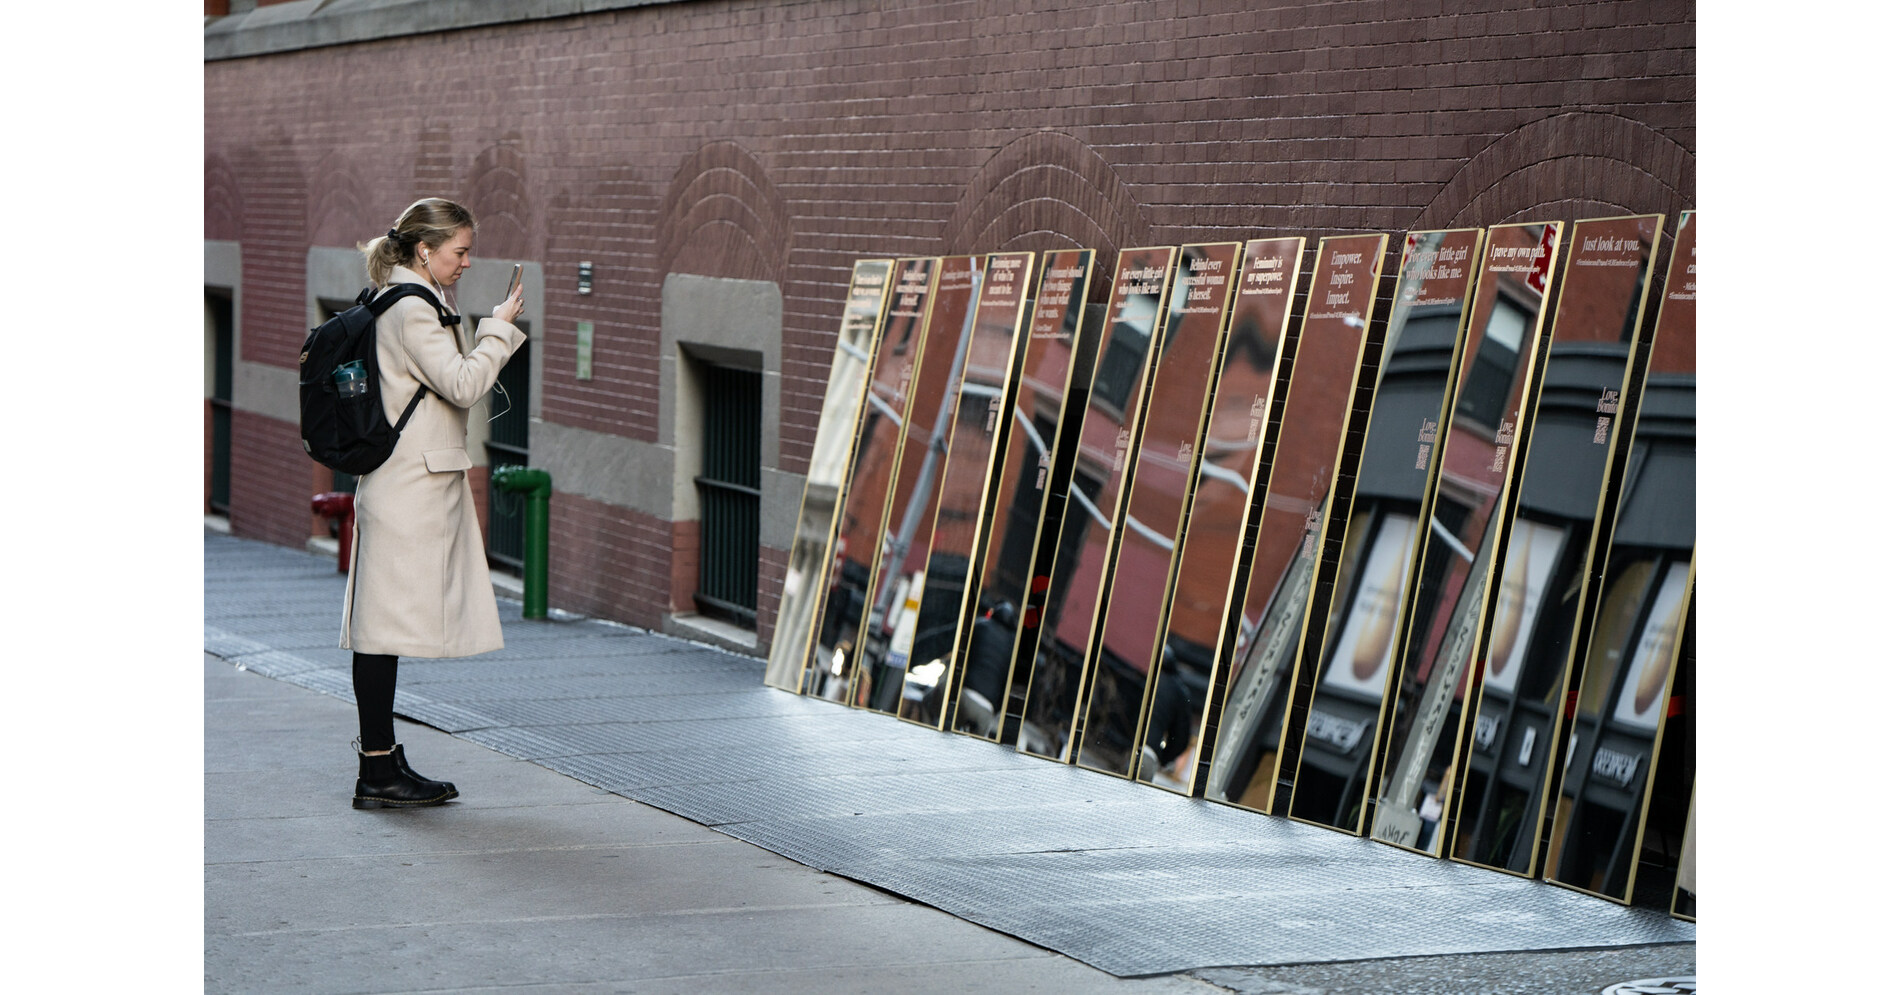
column 418, row 581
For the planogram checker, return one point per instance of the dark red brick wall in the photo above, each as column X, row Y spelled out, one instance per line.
column 685, row 565
column 272, row 481
column 783, row 140
column 607, row 561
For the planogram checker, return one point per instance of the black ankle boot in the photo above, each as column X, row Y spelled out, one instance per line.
column 444, row 788
column 384, row 781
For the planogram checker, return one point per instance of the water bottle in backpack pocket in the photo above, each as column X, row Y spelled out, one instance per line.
column 339, row 397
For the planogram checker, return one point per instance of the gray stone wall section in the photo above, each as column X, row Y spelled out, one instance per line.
column 256, row 388
column 224, row 268
column 611, row 469
column 737, row 323
column 301, row 24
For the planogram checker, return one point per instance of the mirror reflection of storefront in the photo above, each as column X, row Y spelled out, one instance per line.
column 1419, row 749
column 1620, row 709
column 1638, row 666
column 1379, row 552
column 1540, row 586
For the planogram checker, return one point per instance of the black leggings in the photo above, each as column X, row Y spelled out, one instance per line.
column 374, row 677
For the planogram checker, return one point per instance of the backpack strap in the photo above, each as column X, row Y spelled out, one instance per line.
column 384, row 301
column 411, row 409
column 378, row 304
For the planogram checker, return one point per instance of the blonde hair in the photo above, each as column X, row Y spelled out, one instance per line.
column 430, row 221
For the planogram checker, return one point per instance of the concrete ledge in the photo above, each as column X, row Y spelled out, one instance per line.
column 301, row 24
column 701, row 629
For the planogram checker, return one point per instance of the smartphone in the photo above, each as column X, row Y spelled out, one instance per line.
column 514, row 282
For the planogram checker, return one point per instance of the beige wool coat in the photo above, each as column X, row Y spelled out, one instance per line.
column 418, row 583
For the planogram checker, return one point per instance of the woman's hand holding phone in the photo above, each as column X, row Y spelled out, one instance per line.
column 511, row 307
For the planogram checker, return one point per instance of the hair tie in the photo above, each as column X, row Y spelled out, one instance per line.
column 394, row 237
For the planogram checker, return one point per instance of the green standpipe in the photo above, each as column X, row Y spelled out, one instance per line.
column 538, row 486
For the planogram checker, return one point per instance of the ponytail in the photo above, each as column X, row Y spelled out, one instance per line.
column 430, row 221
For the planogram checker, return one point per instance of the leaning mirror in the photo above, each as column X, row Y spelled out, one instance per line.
column 1196, row 629
column 1058, row 625
column 1295, row 516
column 1642, row 616
column 1121, row 673
column 880, row 443
column 1547, row 559
column 1496, row 383
column 1683, row 905
column 1413, row 382
column 895, row 551
column 920, row 658
column 1023, row 496
column 812, row 537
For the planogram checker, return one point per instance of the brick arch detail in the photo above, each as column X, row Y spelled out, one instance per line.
column 1566, row 166
column 336, row 214
column 724, row 217
column 498, row 195
column 224, row 200
column 1044, row 191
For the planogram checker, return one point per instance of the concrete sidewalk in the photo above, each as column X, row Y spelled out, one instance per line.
column 534, row 881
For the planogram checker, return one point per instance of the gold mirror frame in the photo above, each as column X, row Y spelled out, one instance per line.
column 1058, row 627
column 928, row 639
column 825, row 481
column 1390, row 484
column 1024, row 498
column 1556, row 518
column 1122, row 676
column 846, row 596
column 1196, row 630
column 1295, row 536
column 1643, row 618
column 1424, row 703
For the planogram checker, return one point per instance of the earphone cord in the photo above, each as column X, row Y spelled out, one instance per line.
column 504, row 396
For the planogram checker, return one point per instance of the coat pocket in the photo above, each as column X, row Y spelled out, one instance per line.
column 446, row 460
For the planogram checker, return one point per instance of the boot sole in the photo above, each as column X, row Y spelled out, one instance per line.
column 361, row 801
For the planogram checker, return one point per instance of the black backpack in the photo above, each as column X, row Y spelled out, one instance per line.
column 350, row 433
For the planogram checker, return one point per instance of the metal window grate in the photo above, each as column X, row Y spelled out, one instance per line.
column 729, row 496
column 508, row 444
